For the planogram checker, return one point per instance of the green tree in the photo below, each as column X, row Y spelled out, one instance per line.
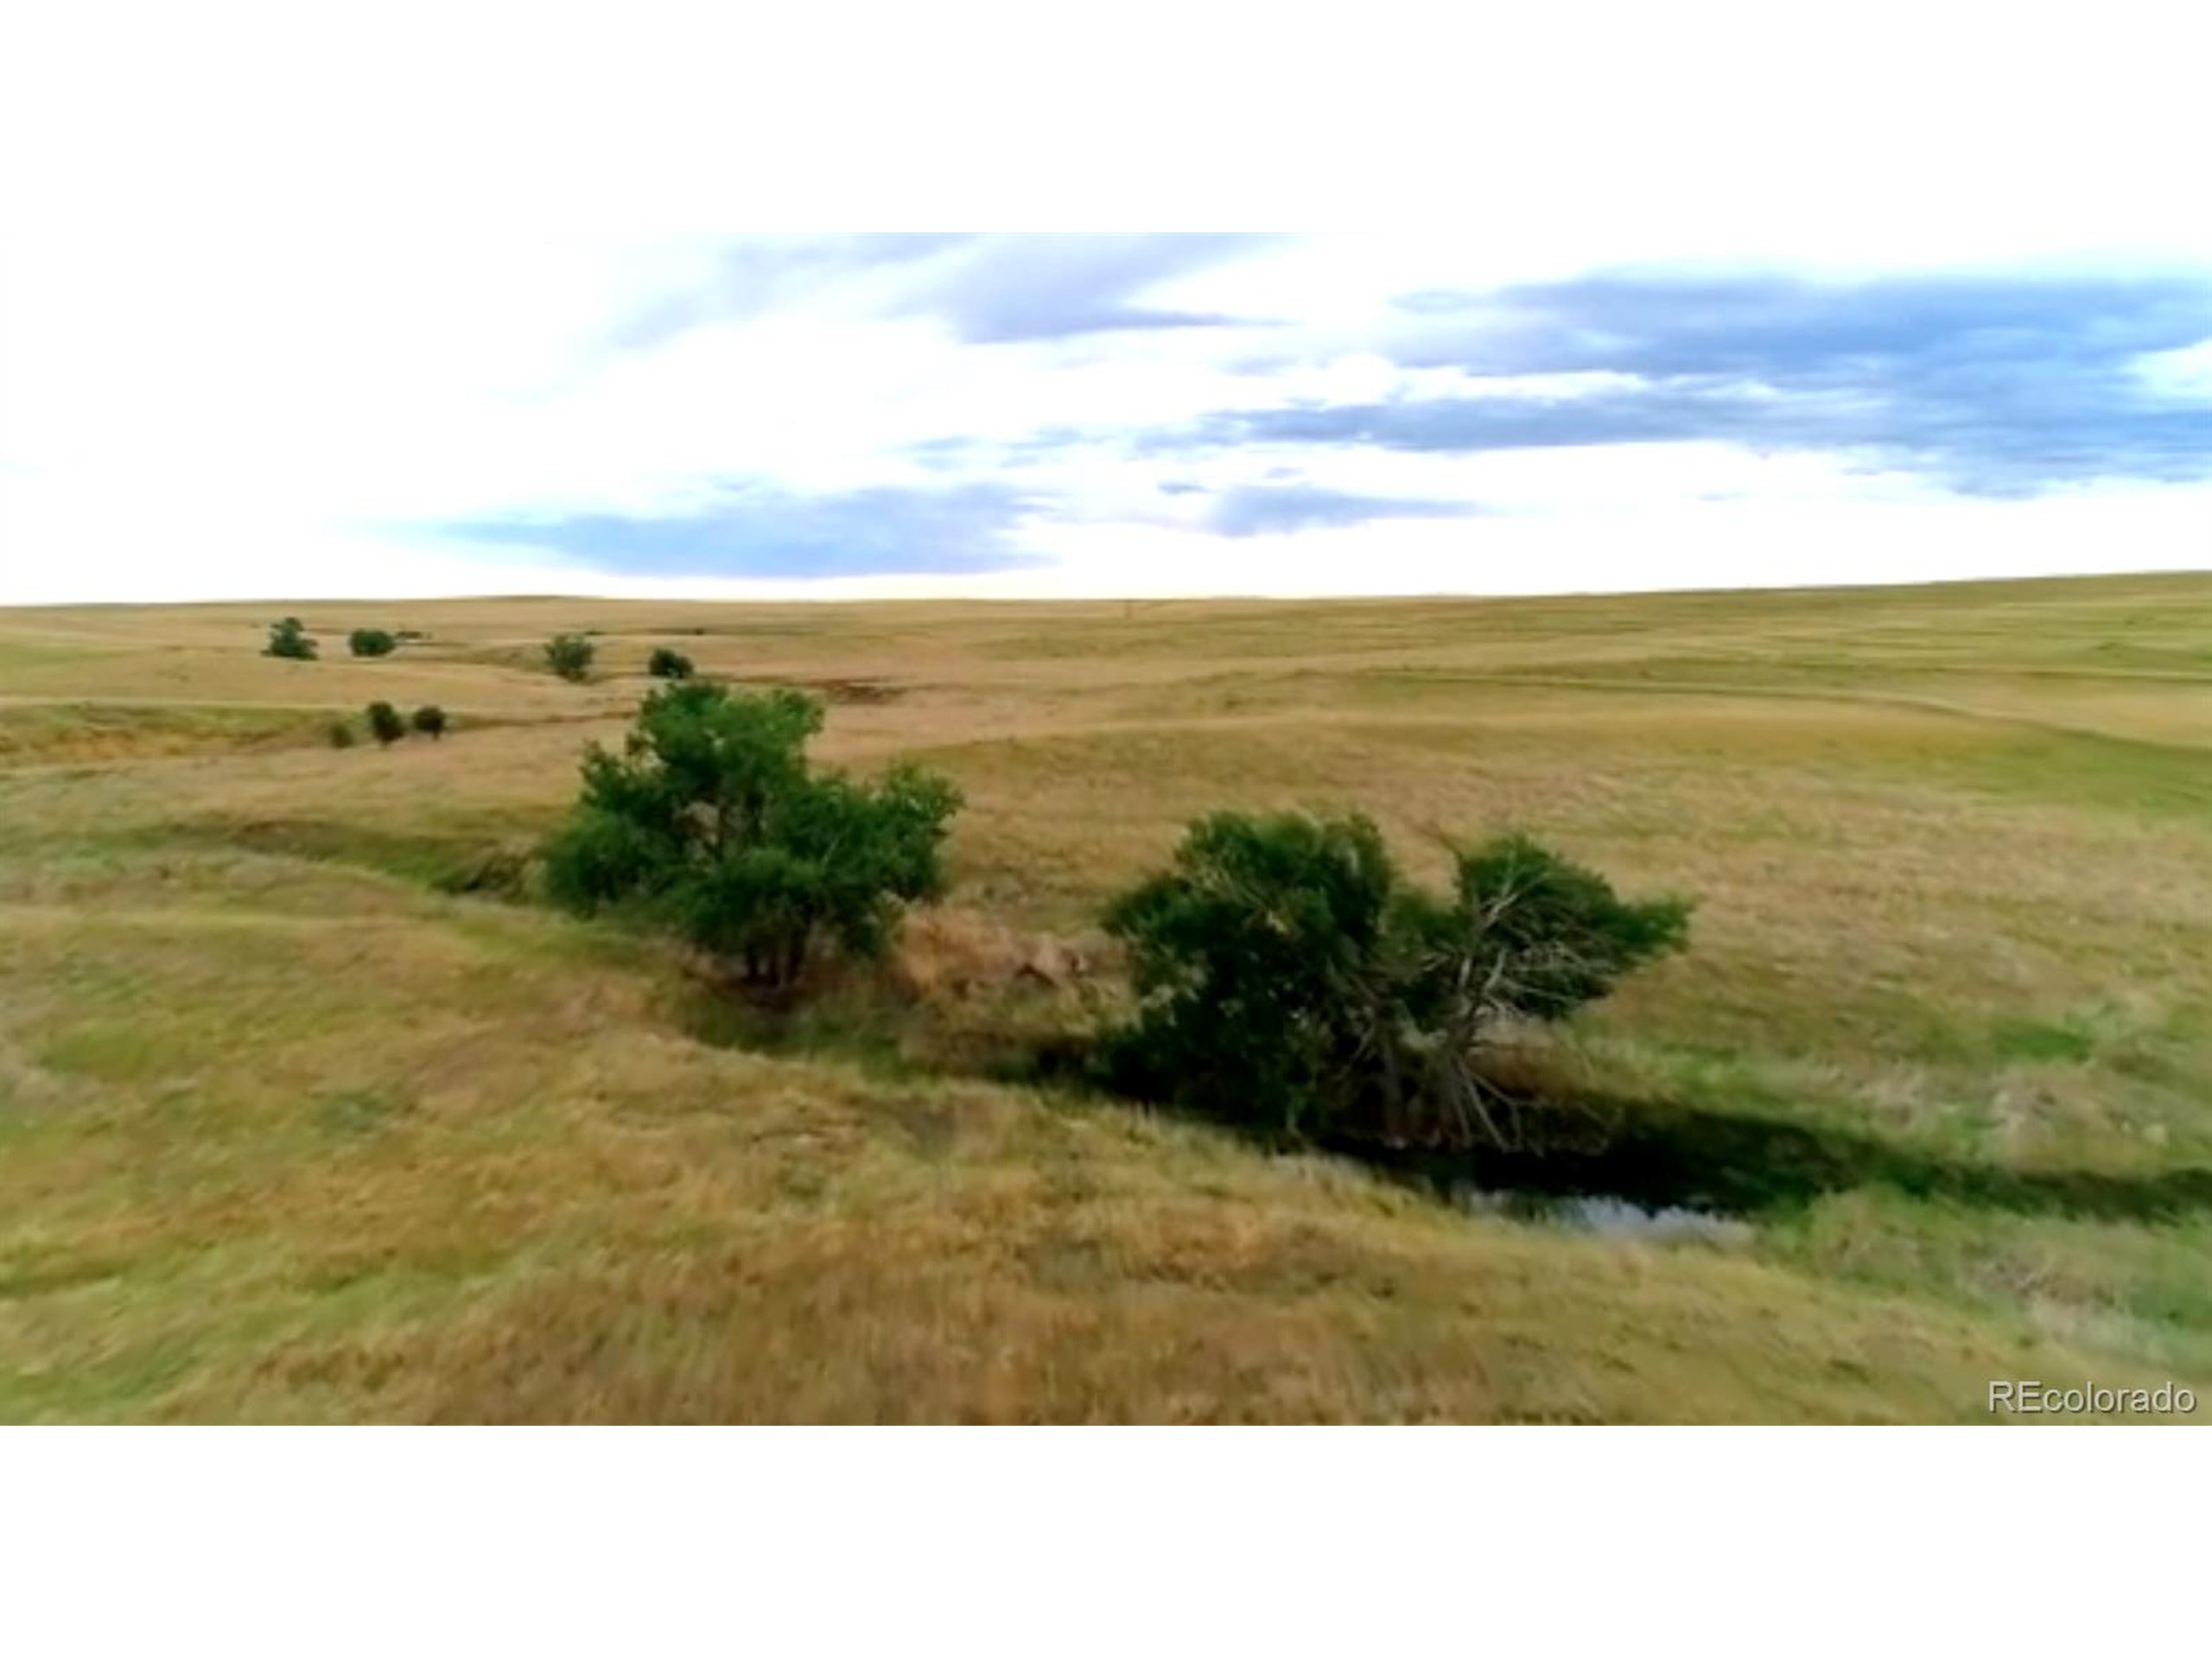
column 430, row 720
column 668, row 664
column 713, row 822
column 289, row 637
column 1242, row 956
column 384, row 723
column 1289, row 978
column 569, row 655
column 371, row 642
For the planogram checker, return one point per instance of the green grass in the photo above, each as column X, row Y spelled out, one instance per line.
column 288, row 1132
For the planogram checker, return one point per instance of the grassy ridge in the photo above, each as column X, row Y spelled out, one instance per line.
column 285, row 1132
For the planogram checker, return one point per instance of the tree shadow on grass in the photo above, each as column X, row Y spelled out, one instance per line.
column 1658, row 1154
column 478, row 859
column 1662, row 1155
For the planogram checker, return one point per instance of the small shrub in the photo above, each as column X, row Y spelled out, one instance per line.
column 569, row 655
column 712, row 823
column 430, row 720
column 384, row 723
column 289, row 639
column 667, row 664
column 371, row 642
column 1289, row 979
column 341, row 733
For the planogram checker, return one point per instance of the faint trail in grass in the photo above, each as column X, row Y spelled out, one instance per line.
column 1746, row 690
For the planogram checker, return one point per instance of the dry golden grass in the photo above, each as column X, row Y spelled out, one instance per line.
column 286, row 1134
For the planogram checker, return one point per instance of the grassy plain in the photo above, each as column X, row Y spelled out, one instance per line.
column 289, row 1132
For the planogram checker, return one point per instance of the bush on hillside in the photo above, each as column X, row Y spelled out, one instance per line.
column 430, row 720
column 289, row 637
column 340, row 734
column 667, row 664
column 1291, row 980
column 371, row 642
column 384, row 723
column 712, row 822
column 569, row 655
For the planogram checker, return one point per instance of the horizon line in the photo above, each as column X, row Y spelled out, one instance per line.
column 1226, row 597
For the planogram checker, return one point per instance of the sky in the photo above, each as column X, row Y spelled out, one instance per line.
column 1658, row 339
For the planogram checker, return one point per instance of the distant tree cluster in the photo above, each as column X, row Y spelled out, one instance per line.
column 387, row 725
column 289, row 639
column 569, row 655
column 668, row 664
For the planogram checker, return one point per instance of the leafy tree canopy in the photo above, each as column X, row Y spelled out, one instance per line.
column 1288, row 978
column 712, row 821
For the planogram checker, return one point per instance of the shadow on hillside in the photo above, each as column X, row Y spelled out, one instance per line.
column 1662, row 1155
column 1657, row 1155
column 475, row 859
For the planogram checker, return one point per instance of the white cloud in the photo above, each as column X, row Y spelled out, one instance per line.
column 2183, row 373
column 315, row 416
